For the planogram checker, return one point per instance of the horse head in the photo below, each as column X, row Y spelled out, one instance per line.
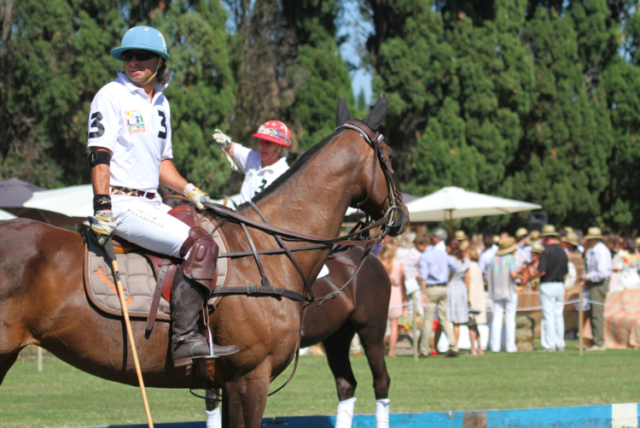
column 380, row 195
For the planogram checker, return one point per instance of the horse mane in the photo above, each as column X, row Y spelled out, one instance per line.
column 297, row 166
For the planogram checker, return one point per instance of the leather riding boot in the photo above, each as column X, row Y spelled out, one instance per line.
column 187, row 299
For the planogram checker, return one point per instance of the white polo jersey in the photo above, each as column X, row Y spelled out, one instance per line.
column 256, row 178
column 137, row 130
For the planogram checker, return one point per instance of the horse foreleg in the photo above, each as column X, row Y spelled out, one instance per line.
column 337, row 348
column 214, row 419
column 6, row 362
column 244, row 400
column 372, row 340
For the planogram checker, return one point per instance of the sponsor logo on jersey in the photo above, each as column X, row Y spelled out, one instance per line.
column 135, row 123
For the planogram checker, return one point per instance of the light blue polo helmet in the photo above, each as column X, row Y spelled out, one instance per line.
column 143, row 38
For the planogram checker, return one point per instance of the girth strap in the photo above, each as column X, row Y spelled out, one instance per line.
column 260, row 291
column 263, row 277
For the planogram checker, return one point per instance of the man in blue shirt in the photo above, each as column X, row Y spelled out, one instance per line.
column 435, row 269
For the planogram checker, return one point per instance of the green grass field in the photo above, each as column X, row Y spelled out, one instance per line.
column 63, row 396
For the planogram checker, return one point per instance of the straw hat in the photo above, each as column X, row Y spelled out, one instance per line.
column 594, row 233
column 549, row 230
column 537, row 248
column 507, row 245
column 460, row 235
column 572, row 239
column 521, row 233
column 533, row 236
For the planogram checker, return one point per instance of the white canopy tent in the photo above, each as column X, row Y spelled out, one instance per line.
column 6, row 216
column 74, row 203
column 449, row 203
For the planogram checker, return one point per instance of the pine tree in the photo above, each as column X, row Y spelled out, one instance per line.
column 565, row 135
column 319, row 76
column 201, row 92
column 56, row 57
column 59, row 56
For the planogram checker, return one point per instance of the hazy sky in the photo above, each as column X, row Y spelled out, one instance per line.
column 357, row 30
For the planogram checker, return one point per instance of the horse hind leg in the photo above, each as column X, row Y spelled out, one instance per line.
column 337, row 349
column 372, row 341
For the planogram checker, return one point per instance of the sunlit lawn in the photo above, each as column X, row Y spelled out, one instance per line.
column 63, row 396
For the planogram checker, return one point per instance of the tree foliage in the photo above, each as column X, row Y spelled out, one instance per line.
column 537, row 100
column 527, row 100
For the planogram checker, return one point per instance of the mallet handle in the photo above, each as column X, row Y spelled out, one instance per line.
column 125, row 313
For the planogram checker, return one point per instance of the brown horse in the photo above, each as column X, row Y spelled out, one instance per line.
column 43, row 302
column 361, row 308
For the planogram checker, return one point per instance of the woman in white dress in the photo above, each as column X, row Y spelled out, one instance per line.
column 457, row 296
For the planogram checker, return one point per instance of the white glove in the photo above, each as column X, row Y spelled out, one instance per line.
column 221, row 140
column 103, row 224
column 196, row 196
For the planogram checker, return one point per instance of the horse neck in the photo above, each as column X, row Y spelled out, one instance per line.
column 315, row 198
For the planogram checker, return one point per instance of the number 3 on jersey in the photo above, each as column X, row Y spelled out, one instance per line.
column 163, row 124
column 97, row 117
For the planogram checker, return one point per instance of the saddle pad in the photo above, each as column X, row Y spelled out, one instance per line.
column 137, row 277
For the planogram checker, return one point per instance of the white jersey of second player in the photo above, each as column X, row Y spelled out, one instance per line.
column 256, row 177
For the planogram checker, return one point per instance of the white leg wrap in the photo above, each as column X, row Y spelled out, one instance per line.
column 214, row 419
column 382, row 413
column 345, row 413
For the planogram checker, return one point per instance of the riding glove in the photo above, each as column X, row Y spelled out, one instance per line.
column 103, row 224
column 221, row 140
column 196, row 196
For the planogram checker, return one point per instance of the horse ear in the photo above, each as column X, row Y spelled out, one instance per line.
column 377, row 113
column 343, row 112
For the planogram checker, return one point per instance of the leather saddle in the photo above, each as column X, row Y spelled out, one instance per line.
column 164, row 267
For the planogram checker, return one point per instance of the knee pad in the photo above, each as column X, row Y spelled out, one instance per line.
column 200, row 263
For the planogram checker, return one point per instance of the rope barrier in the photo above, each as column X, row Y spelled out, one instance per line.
column 536, row 308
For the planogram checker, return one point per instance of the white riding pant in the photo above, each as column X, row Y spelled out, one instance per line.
column 552, row 326
column 145, row 222
column 508, row 308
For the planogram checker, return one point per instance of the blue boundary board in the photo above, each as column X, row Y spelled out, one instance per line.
column 614, row 416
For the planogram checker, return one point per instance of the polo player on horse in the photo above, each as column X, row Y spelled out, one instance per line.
column 131, row 152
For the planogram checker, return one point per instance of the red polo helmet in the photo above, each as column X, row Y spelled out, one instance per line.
column 274, row 131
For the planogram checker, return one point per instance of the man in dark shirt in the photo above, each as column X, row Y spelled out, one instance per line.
column 553, row 267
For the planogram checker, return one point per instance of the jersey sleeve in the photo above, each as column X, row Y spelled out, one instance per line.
column 167, row 152
column 104, row 122
column 245, row 158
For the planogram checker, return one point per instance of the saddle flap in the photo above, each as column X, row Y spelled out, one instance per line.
column 138, row 282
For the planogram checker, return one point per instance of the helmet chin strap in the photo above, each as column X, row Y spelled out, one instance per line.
column 153, row 76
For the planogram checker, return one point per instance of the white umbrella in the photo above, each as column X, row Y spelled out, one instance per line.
column 454, row 202
column 75, row 202
column 6, row 216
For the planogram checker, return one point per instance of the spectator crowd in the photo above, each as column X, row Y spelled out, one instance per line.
column 456, row 280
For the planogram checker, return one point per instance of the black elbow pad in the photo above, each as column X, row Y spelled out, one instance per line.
column 99, row 157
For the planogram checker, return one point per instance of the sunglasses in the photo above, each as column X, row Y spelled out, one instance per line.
column 140, row 56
